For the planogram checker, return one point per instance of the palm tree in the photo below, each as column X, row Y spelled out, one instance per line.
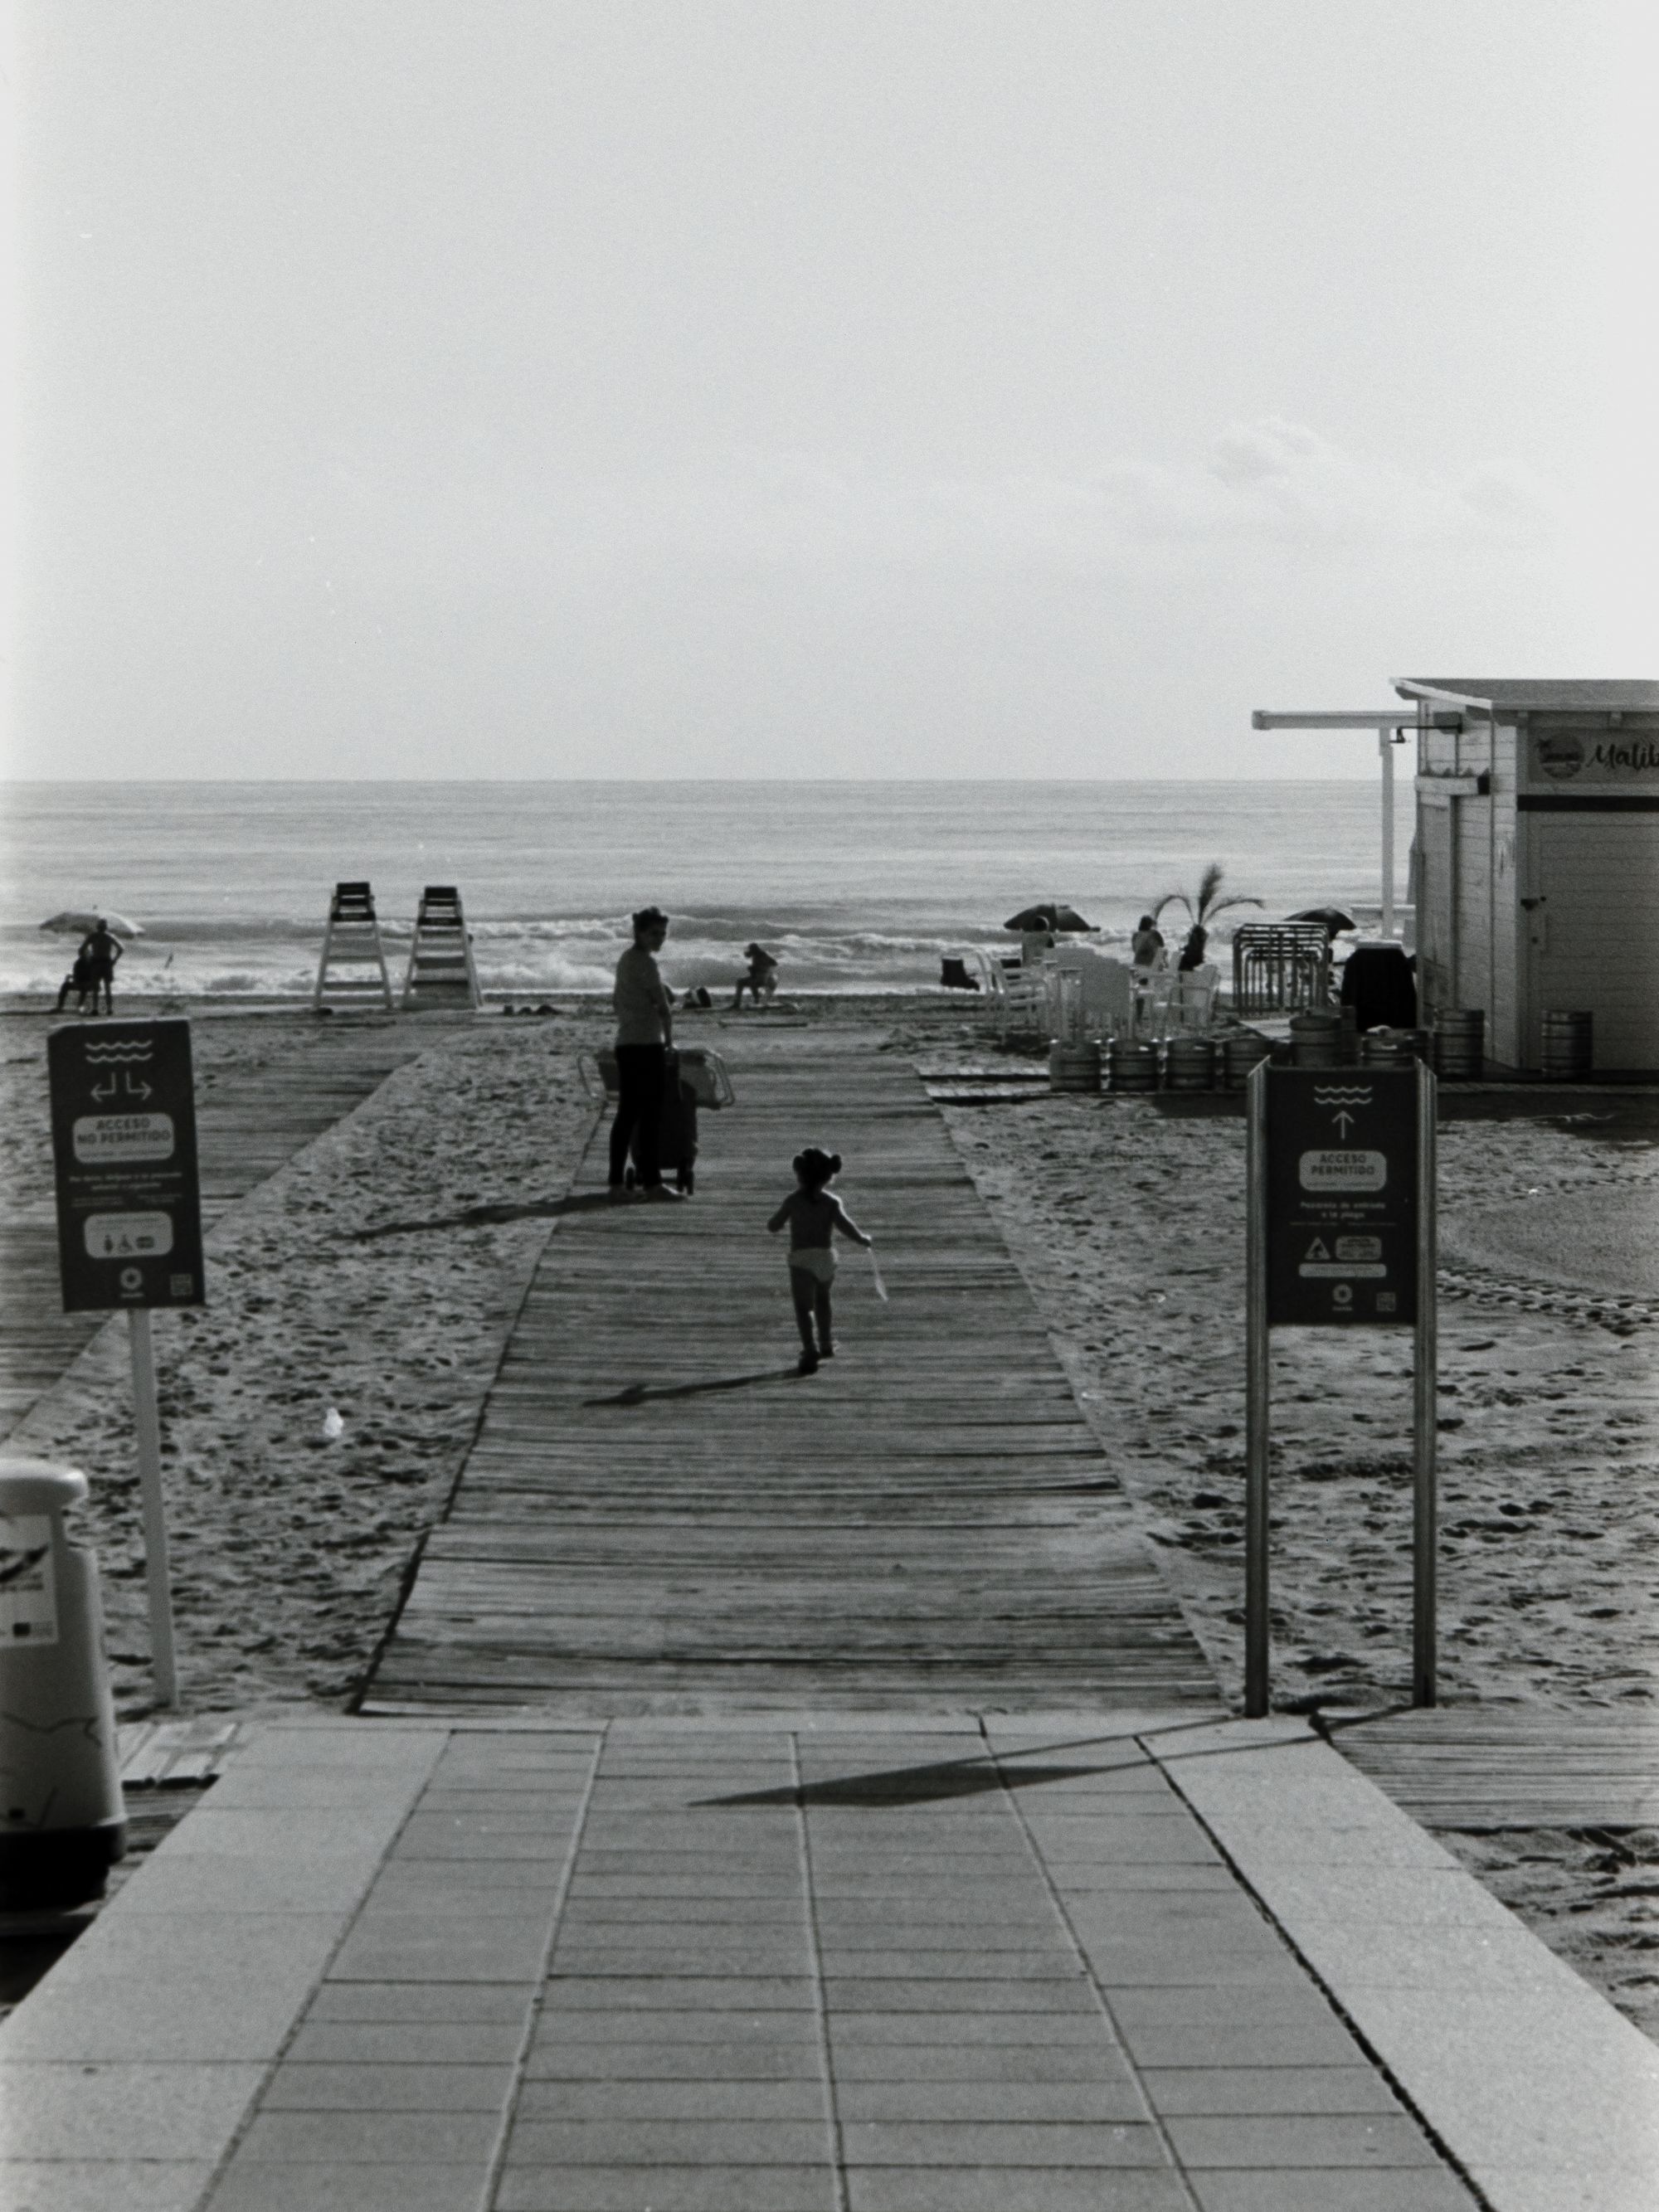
column 1202, row 911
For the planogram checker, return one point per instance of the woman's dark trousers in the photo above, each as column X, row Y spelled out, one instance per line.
column 641, row 1071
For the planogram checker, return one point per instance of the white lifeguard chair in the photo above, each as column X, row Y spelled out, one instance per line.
column 440, row 969
column 352, row 942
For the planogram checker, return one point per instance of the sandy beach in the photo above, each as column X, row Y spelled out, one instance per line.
column 378, row 1272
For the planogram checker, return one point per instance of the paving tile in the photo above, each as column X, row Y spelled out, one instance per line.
column 647, row 2143
column 856, row 2029
column 1014, row 2189
column 1421, row 2189
column 699, row 2099
column 508, row 1849
column 1309, row 2139
column 841, row 1963
column 64, row 2109
column 848, row 1993
column 1268, row 2089
column 759, row 2060
column 695, row 1992
column 991, row 2099
column 411, row 1888
column 408, row 2043
column 598, row 2026
column 363, row 2086
column 343, row 2187
column 669, row 2188
column 1148, row 1966
column 369, row 2138
column 373, row 2003
column 988, row 2065
column 96, row 2185
column 721, row 1956
column 1007, row 2142
column 1293, row 2001
column 1190, row 2044
column 411, row 1947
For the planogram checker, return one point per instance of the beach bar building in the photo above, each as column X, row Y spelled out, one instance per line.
column 1537, row 862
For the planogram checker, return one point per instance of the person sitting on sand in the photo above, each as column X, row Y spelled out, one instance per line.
column 645, row 1030
column 813, row 1212
column 760, row 979
column 101, row 951
column 79, row 980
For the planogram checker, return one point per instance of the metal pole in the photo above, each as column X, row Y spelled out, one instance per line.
column 1385, row 746
column 1425, row 1410
column 1258, row 1374
column 147, row 1422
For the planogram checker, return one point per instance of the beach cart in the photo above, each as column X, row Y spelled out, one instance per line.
column 696, row 1077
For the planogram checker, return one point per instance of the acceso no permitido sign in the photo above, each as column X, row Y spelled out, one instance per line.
column 124, row 1146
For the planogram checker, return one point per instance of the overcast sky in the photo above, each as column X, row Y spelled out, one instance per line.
column 864, row 388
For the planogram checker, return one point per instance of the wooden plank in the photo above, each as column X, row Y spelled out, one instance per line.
column 1524, row 1768
column 659, row 1515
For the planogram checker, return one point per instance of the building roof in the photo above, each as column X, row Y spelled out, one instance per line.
column 1537, row 696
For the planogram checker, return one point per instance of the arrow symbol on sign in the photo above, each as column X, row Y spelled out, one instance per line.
column 1343, row 1121
column 139, row 1089
column 104, row 1089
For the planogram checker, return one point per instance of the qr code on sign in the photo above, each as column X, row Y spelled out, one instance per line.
column 1386, row 1301
column 181, row 1285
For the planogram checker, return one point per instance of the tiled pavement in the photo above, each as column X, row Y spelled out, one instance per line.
column 835, row 1964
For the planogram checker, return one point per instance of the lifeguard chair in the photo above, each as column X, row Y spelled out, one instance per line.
column 351, row 942
column 441, row 970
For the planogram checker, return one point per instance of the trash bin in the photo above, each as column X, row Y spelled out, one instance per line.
column 61, row 1822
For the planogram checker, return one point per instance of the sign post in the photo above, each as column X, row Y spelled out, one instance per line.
column 130, row 1227
column 1340, row 1196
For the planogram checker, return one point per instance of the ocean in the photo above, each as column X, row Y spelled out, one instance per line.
column 854, row 886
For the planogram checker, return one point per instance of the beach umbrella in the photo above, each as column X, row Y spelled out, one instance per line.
column 1332, row 917
column 80, row 921
column 1050, row 915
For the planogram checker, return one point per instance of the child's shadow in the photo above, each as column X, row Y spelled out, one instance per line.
column 640, row 1393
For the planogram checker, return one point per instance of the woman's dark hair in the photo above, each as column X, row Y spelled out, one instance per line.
column 650, row 917
column 814, row 1168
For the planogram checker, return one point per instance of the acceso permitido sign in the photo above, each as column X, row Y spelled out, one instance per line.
column 124, row 1146
column 1342, row 1201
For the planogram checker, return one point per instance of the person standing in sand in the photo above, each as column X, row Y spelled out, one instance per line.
column 100, row 951
column 645, row 1030
column 812, row 1214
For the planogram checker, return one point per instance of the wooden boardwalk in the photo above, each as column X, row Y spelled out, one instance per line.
column 659, row 1515
column 1512, row 1767
column 251, row 1120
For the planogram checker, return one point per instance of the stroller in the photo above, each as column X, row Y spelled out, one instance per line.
column 695, row 1077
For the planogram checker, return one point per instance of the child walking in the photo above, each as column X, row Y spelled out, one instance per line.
column 813, row 1212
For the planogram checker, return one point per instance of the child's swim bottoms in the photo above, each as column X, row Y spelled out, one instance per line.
column 815, row 1261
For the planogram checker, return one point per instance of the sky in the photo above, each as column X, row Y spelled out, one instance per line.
column 810, row 388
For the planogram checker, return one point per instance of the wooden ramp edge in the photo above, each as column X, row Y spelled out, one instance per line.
column 659, row 1515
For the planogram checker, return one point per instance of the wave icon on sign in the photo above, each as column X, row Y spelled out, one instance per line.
column 1358, row 1097
column 119, row 1054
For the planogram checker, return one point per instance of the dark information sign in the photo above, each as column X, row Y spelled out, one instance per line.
column 1342, row 1200
column 124, row 1141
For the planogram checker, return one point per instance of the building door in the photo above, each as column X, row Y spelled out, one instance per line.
column 1592, row 929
